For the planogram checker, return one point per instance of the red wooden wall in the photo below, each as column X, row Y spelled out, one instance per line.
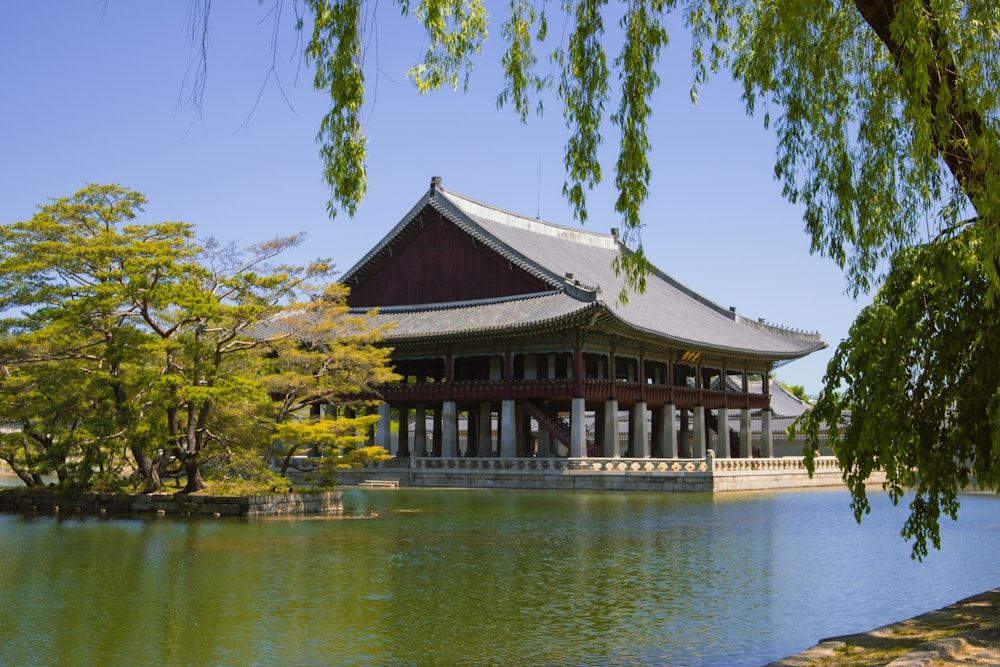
column 436, row 262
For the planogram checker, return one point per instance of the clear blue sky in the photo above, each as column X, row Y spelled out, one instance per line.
column 95, row 92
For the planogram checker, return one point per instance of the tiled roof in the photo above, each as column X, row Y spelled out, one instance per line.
column 783, row 402
column 479, row 317
column 577, row 264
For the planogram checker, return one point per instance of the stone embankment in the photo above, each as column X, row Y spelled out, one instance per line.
column 965, row 633
column 49, row 501
column 603, row 474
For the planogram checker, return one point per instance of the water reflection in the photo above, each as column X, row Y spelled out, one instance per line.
column 478, row 577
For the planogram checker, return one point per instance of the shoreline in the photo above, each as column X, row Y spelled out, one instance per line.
column 49, row 501
column 964, row 633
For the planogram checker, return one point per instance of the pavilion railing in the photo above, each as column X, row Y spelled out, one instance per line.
column 625, row 465
column 496, row 390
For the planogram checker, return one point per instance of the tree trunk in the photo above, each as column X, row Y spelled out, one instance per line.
column 143, row 462
column 288, row 458
column 194, row 479
column 957, row 125
column 29, row 478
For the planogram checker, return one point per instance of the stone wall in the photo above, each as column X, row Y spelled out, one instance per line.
column 569, row 480
column 778, row 473
column 51, row 501
column 663, row 475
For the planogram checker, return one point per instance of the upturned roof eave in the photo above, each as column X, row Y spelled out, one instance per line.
column 624, row 326
column 565, row 321
column 590, row 314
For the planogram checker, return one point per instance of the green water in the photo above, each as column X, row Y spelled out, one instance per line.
column 426, row 577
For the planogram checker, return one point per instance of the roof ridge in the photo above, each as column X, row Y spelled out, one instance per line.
column 512, row 219
column 790, row 332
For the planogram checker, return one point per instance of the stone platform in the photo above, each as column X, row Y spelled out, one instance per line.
column 50, row 501
column 595, row 474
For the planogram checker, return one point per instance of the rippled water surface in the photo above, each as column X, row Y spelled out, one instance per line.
column 426, row 577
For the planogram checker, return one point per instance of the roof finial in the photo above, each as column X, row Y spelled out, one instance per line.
column 435, row 182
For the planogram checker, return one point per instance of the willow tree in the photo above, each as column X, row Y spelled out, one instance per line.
column 885, row 116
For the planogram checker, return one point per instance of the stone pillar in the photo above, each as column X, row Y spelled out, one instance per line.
column 508, row 429
column 524, row 444
column 667, row 437
column 544, row 443
column 746, row 438
column 577, row 429
column 383, row 434
column 657, row 446
column 639, row 431
column 698, row 446
column 485, row 429
column 436, row 433
column 449, row 430
column 471, row 433
column 609, row 443
column 684, row 436
column 403, row 439
column 722, row 434
column 766, row 441
column 420, row 431
column 599, row 430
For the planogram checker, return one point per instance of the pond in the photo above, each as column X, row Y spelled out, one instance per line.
column 453, row 577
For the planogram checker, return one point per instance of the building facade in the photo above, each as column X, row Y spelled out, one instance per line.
column 512, row 342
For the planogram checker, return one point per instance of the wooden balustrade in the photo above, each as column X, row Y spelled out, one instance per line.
column 554, row 389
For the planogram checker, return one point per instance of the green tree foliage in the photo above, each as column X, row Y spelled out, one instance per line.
column 333, row 358
column 922, row 375
column 885, row 113
column 128, row 346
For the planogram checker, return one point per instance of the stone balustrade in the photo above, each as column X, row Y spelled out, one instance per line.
column 563, row 464
column 790, row 463
column 787, row 463
column 645, row 474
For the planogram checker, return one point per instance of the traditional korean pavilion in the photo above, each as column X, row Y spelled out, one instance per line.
column 512, row 342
